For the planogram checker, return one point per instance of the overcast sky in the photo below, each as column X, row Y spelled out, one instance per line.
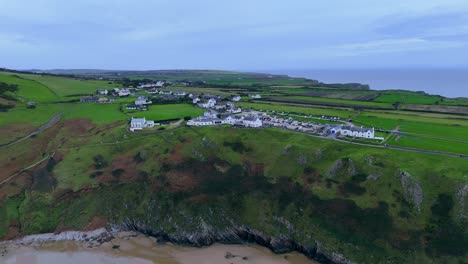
column 239, row 35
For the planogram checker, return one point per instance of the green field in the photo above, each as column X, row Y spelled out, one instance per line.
column 315, row 111
column 370, row 203
column 66, row 87
column 29, row 90
column 166, row 112
column 331, row 100
column 36, row 117
column 424, row 133
column 406, row 97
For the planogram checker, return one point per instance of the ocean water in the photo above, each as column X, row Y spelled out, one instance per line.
column 445, row 82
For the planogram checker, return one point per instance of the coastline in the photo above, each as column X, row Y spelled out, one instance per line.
column 131, row 246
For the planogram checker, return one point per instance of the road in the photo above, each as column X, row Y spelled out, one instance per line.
column 433, row 152
column 51, row 122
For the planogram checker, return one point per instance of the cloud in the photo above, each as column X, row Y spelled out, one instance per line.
column 234, row 34
column 393, row 46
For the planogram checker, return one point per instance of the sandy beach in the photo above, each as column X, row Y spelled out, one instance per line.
column 129, row 247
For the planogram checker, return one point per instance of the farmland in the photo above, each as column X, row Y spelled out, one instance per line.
column 166, row 112
column 66, row 87
column 306, row 99
column 369, row 203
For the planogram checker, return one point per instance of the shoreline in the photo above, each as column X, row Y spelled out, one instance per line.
column 131, row 246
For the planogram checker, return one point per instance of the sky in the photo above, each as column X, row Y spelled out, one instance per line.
column 233, row 35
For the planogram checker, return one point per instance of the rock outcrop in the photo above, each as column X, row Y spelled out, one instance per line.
column 343, row 167
column 412, row 190
column 461, row 200
column 238, row 235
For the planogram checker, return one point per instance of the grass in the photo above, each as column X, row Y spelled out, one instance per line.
column 407, row 97
column 423, row 133
column 275, row 151
column 331, row 100
column 97, row 113
column 29, row 90
column 315, row 111
column 168, row 111
column 36, row 117
column 65, row 87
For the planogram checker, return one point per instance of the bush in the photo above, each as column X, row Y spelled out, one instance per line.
column 116, row 173
column 100, row 162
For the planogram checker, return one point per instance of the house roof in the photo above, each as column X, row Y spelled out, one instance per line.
column 138, row 120
column 251, row 118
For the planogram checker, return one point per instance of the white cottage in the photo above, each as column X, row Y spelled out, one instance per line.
column 252, row 121
column 353, row 131
column 140, row 123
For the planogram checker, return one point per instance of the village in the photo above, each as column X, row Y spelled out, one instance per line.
column 222, row 111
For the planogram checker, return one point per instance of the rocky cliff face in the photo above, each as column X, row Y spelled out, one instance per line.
column 237, row 235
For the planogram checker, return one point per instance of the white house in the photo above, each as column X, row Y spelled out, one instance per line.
column 123, row 92
column 142, row 100
column 208, row 104
column 353, row 131
column 102, row 92
column 152, row 91
column 252, row 121
column 180, row 93
column 255, row 96
column 229, row 120
column 196, row 100
column 236, row 98
column 234, row 110
column 200, row 121
column 220, row 106
column 211, row 113
column 160, row 84
column 140, row 123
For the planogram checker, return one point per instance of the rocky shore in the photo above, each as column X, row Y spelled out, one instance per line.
column 241, row 235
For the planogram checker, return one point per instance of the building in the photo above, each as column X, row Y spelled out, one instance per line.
column 160, row 84
column 104, row 100
column 89, row 99
column 236, row 98
column 140, row 123
column 211, row 113
column 196, row 100
column 255, row 96
column 142, row 100
column 179, row 93
column 102, row 92
column 229, row 120
column 200, row 121
column 353, row 131
column 234, row 110
column 220, row 106
column 152, row 91
column 252, row 121
column 122, row 92
column 136, row 107
column 208, row 104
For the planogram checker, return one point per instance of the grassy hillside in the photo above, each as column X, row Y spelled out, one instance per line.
column 369, row 203
column 326, row 190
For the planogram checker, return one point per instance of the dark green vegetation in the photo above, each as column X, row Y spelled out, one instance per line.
column 371, row 205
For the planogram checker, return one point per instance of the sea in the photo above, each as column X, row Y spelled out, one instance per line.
column 446, row 82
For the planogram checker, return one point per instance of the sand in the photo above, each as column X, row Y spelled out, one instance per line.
column 139, row 249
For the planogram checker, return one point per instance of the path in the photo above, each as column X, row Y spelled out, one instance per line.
column 433, row 152
column 51, row 122
column 26, row 168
